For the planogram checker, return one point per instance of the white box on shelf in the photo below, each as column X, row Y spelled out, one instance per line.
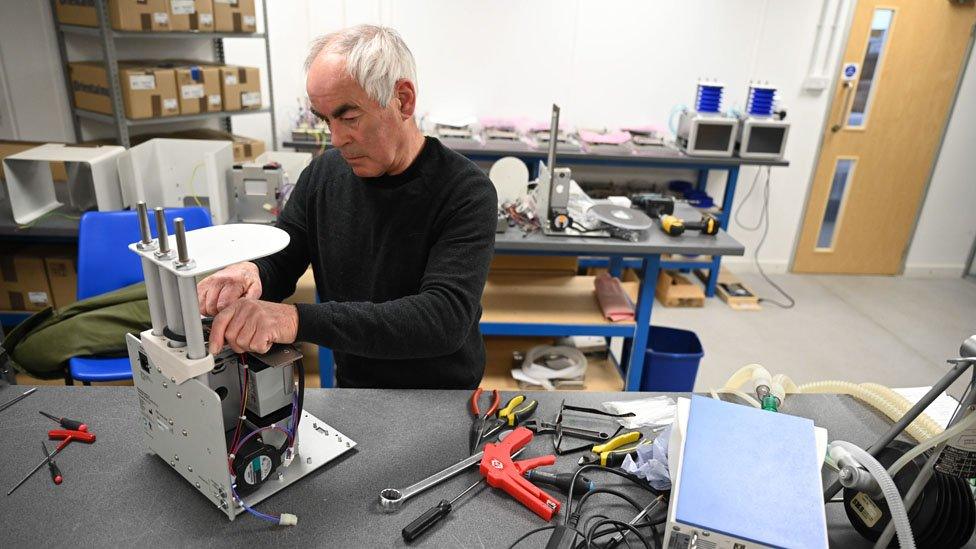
column 175, row 173
column 93, row 179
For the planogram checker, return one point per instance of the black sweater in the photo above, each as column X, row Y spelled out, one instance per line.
column 400, row 263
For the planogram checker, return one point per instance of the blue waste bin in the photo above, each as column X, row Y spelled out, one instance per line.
column 671, row 363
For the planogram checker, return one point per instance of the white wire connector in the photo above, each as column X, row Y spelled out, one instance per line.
column 287, row 519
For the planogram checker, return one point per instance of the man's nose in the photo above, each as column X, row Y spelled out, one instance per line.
column 339, row 138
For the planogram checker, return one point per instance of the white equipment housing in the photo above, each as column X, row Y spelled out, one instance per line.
column 93, row 179
column 175, row 173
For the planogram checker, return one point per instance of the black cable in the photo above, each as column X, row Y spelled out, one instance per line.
column 764, row 222
column 635, row 479
column 611, row 492
column 620, row 523
column 536, row 531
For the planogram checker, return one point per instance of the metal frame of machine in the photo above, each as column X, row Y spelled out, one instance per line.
column 190, row 400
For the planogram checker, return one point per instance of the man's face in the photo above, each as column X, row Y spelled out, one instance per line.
column 366, row 133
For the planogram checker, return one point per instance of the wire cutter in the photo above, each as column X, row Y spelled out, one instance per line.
column 516, row 411
column 478, row 425
column 501, row 472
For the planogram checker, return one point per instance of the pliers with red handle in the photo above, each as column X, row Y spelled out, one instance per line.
column 501, row 472
column 478, row 425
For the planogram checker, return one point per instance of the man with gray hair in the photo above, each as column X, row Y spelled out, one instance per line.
column 398, row 229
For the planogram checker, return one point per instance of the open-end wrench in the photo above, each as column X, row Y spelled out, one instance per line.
column 391, row 498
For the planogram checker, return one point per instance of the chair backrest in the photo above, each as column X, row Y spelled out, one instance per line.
column 104, row 260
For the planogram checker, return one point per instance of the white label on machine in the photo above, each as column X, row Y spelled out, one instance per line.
column 248, row 20
column 225, row 1
column 170, row 104
column 250, row 99
column 182, row 7
column 142, row 82
column 206, row 19
column 257, row 470
column 255, row 187
column 849, row 73
column 230, row 79
column 37, row 298
column 214, row 99
column 192, row 91
column 161, row 18
column 864, row 506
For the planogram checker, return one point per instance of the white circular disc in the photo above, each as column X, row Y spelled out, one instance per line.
column 511, row 178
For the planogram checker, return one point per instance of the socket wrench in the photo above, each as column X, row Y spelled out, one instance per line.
column 391, row 499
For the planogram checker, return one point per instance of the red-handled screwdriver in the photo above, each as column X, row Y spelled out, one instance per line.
column 66, row 437
column 55, row 471
column 71, row 424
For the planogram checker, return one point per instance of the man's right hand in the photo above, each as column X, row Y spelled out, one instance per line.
column 227, row 285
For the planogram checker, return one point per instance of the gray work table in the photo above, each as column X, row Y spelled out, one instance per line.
column 652, row 241
column 116, row 494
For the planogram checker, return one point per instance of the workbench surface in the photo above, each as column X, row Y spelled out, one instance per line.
column 116, row 494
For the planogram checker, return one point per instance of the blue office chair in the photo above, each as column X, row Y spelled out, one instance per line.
column 105, row 263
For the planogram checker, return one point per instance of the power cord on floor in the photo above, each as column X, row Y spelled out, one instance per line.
column 763, row 223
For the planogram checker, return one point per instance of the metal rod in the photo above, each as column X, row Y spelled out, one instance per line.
column 154, row 293
column 143, row 213
column 161, row 232
column 181, row 252
column 192, row 325
column 171, row 301
column 17, row 399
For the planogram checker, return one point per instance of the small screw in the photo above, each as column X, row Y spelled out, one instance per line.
column 173, row 379
column 223, row 504
column 189, row 468
column 165, row 385
column 348, row 445
column 171, row 422
column 179, row 394
column 281, row 477
column 184, row 432
column 158, row 370
column 338, row 438
column 171, row 464
column 177, row 458
column 197, row 484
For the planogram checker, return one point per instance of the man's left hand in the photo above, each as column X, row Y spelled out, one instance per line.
column 251, row 325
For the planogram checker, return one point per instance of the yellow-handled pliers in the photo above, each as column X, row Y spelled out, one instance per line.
column 607, row 454
column 517, row 410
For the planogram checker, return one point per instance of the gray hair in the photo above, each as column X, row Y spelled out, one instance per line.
column 376, row 57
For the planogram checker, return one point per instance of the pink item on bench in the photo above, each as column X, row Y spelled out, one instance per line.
column 613, row 300
column 607, row 138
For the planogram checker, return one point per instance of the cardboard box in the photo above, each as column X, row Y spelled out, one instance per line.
column 240, row 87
column 23, row 280
column 234, row 16
column 62, row 277
column 76, row 12
column 191, row 15
column 148, row 91
column 128, row 15
column 675, row 290
column 8, row 148
column 246, row 149
column 199, row 88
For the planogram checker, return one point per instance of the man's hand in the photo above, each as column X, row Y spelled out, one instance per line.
column 227, row 285
column 250, row 325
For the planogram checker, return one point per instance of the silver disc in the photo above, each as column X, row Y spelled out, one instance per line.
column 618, row 216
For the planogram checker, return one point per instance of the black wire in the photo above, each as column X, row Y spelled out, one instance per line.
column 536, row 531
column 764, row 222
column 572, row 485
column 611, row 492
column 620, row 523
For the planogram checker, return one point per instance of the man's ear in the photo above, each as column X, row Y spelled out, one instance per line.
column 406, row 93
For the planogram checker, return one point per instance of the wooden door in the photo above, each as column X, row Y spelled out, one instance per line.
column 885, row 126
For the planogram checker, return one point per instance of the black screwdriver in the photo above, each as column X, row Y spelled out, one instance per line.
column 561, row 481
column 71, row 424
column 433, row 515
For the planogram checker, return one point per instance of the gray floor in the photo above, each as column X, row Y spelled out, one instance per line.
column 895, row 331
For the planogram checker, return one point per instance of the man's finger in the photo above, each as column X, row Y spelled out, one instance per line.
column 253, row 291
column 234, row 326
column 212, row 294
column 246, row 333
column 229, row 293
column 217, row 330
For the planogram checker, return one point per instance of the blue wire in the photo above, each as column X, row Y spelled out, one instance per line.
column 259, row 514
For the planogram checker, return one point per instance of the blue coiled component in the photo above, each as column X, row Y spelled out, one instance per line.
column 760, row 102
column 709, row 97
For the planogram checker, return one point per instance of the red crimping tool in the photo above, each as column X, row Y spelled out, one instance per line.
column 501, row 472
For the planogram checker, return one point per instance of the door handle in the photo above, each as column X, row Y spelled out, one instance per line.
column 848, row 86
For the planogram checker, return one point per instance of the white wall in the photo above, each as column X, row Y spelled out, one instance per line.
column 947, row 225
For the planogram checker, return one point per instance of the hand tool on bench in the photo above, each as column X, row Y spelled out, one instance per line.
column 56, row 477
column 478, row 425
column 433, row 515
column 501, row 471
column 66, row 437
column 613, row 452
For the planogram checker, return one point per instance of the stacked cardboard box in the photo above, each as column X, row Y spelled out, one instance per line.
column 35, row 277
column 163, row 15
column 153, row 89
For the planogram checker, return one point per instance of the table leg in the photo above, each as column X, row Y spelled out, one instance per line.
column 702, row 180
column 723, row 221
column 642, row 328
